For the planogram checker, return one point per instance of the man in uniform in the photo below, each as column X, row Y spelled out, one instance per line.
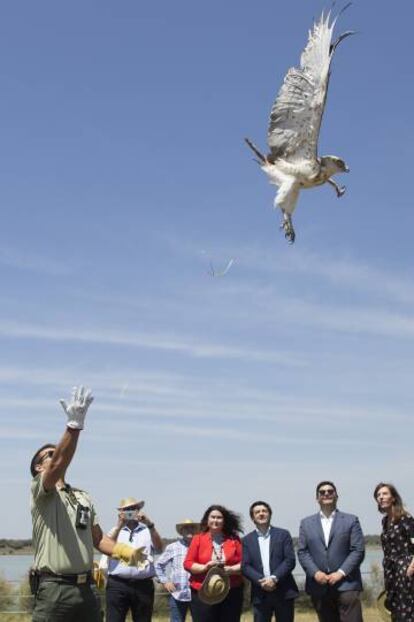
column 66, row 528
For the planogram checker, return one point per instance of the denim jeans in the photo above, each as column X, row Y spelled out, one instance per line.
column 178, row 609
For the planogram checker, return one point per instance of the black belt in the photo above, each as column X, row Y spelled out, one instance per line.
column 83, row 578
column 116, row 577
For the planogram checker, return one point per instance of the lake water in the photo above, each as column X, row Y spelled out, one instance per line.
column 15, row 567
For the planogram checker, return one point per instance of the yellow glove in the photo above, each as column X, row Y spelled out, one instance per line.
column 130, row 556
column 98, row 576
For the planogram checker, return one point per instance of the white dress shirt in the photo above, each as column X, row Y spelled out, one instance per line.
column 327, row 522
column 327, row 525
column 264, row 546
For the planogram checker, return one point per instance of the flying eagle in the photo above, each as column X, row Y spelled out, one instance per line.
column 295, row 121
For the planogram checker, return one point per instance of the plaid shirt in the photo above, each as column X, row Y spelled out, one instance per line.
column 169, row 568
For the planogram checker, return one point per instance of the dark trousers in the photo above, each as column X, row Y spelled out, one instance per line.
column 337, row 606
column 123, row 595
column 283, row 610
column 229, row 610
column 60, row 602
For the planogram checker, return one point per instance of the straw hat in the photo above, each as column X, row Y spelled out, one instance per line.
column 215, row 586
column 187, row 522
column 130, row 501
column 384, row 612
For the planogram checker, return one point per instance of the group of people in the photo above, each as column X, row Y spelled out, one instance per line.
column 205, row 569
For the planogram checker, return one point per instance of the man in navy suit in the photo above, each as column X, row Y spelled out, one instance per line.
column 331, row 550
column 268, row 560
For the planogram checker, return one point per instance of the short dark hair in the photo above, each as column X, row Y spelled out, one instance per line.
column 231, row 524
column 253, row 505
column 326, row 483
column 35, row 460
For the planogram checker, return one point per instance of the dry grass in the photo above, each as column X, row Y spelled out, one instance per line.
column 370, row 615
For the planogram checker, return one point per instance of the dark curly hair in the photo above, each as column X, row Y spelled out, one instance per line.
column 232, row 522
column 398, row 509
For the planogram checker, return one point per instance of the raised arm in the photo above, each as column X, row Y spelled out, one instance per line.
column 76, row 410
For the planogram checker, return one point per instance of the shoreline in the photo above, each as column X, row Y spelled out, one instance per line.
column 28, row 550
column 25, row 550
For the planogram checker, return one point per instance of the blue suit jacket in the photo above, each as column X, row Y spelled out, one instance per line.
column 345, row 550
column 282, row 561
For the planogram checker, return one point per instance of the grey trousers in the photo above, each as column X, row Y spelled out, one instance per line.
column 337, row 606
column 60, row 602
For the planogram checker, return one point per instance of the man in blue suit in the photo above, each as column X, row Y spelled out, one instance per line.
column 268, row 560
column 331, row 550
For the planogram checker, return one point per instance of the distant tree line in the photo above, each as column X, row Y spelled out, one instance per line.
column 9, row 546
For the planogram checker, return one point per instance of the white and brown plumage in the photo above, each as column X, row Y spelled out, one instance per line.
column 295, row 121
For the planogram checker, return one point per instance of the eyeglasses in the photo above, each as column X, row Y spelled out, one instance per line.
column 326, row 492
column 47, row 454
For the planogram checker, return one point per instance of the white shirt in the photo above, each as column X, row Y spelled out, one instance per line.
column 140, row 536
column 327, row 522
column 264, row 546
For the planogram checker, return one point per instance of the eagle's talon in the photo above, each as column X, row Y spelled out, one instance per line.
column 340, row 191
column 289, row 231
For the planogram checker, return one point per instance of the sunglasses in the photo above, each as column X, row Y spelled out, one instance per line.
column 47, row 454
column 326, row 492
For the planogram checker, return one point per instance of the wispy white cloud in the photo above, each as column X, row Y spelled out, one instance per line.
column 190, row 346
column 346, row 273
column 31, row 262
column 232, row 433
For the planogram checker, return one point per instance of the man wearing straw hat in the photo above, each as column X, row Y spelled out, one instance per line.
column 132, row 588
column 170, row 571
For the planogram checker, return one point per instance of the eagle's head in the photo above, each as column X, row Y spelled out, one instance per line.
column 333, row 165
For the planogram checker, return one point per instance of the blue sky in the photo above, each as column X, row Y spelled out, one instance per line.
column 123, row 174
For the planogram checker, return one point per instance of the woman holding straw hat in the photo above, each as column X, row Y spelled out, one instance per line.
column 214, row 560
column 397, row 541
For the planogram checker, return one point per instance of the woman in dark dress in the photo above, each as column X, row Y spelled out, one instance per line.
column 397, row 541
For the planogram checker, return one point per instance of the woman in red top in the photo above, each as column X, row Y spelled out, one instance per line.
column 218, row 544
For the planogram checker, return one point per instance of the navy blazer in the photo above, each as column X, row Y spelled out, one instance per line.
column 345, row 550
column 281, row 559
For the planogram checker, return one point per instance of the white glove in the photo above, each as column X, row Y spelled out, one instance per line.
column 81, row 400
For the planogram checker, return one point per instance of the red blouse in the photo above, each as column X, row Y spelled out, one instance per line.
column 200, row 551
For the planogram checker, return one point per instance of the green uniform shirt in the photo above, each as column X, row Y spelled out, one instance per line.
column 60, row 546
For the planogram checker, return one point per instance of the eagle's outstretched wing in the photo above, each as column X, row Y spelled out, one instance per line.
column 296, row 115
